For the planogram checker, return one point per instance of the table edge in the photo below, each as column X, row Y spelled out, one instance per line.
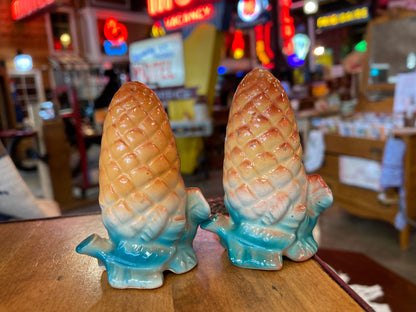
column 343, row 285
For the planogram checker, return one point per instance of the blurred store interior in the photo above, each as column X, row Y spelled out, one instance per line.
column 348, row 68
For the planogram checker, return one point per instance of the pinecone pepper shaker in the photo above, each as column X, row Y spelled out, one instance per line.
column 273, row 204
column 150, row 216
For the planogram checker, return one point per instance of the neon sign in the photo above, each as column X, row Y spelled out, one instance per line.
column 238, row 45
column 263, row 48
column 354, row 15
column 197, row 14
column 252, row 13
column 114, row 31
column 287, row 28
column 156, row 7
column 157, row 30
column 250, row 7
column 116, row 35
column 159, row 8
column 114, row 49
column 295, row 61
column 249, row 10
column 24, row 8
column 221, row 70
column 361, row 46
column 301, row 44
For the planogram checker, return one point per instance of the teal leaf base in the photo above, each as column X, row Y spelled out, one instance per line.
column 142, row 269
column 254, row 245
column 137, row 264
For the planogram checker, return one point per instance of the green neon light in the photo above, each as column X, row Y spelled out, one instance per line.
column 361, row 46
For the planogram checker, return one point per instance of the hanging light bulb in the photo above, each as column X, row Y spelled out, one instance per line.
column 65, row 39
column 310, row 6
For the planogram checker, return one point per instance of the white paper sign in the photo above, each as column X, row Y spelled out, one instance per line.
column 158, row 62
column 337, row 71
column 405, row 93
column 360, row 172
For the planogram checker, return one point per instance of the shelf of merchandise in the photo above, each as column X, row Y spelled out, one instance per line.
column 364, row 202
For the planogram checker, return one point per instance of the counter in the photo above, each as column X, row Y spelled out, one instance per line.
column 40, row 270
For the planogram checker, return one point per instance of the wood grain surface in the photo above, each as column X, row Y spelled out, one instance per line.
column 40, row 271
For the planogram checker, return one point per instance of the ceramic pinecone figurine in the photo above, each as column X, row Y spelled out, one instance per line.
column 273, row 204
column 150, row 217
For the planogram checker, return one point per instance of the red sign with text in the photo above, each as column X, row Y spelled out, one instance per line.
column 155, row 71
column 160, row 8
column 180, row 19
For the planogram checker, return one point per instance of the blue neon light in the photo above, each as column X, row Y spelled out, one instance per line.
column 374, row 72
column 221, row 70
column 294, row 61
column 259, row 7
column 301, row 43
column 111, row 49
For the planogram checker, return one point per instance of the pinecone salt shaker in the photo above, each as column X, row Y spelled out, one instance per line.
column 150, row 216
column 272, row 203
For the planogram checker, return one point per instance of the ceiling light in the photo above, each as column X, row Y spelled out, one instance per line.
column 310, row 6
column 23, row 62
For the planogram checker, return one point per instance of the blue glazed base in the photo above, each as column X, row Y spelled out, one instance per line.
column 135, row 264
column 254, row 245
column 143, row 269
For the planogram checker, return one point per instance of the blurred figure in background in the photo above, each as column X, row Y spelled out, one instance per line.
column 101, row 103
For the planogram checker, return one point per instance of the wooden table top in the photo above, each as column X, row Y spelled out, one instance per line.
column 40, row 271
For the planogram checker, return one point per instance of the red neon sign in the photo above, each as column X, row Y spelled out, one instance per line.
column 263, row 48
column 182, row 3
column 24, row 8
column 114, row 31
column 267, row 39
column 200, row 13
column 287, row 28
column 162, row 8
column 238, row 45
column 249, row 6
column 156, row 7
